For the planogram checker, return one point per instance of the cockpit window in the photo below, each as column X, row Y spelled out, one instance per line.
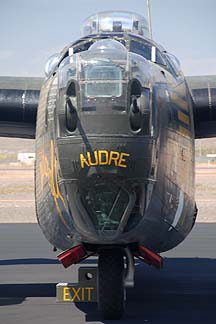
column 141, row 49
column 173, row 63
column 103, row 81
column 159, row 58
column 82, row 47
column 83, row 44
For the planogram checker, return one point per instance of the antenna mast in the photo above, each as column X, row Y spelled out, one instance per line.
column 149, row 17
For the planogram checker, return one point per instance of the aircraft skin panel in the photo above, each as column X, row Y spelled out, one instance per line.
column 19, row 98
column 203, row 93
column 18, row 130
column 51, row 209
column 175, row 177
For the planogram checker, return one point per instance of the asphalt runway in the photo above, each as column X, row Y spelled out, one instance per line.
column 183, row 292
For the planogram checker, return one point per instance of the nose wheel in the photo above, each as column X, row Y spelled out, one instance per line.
column 111, row 287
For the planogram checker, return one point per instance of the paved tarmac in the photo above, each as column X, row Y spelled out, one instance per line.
column 183, row 292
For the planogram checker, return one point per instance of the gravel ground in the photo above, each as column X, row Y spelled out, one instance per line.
column 17, row 203
column 17, row 194
column 206, row 193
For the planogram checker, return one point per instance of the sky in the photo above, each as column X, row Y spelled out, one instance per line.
column 31, row 31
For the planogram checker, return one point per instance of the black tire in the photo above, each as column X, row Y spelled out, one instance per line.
column 111, row 290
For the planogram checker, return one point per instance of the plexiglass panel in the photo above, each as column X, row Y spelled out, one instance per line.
column 103, row 72
column 116, row 21
column 103, row 80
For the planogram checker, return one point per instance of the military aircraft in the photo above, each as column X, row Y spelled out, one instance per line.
column 114, row 122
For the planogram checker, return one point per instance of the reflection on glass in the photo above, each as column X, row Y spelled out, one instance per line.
column 102, row 72
column 116, row 21
column 105, row 205
column 103, row 81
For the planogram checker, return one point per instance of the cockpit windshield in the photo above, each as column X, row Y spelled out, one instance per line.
column 103, row 72
column 103, row 80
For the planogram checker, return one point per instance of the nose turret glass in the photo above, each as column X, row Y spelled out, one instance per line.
column 115, row 21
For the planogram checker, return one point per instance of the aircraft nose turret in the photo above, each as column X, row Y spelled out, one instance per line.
column 116, row 21
column 98, row 86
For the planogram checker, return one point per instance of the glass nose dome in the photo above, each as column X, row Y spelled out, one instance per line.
column 114, row 22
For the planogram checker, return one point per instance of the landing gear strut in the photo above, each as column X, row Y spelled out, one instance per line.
column 111, row 287
column 112, row 279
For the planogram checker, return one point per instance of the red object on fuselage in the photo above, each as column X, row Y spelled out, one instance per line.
column 150, row 257
column 72, row 256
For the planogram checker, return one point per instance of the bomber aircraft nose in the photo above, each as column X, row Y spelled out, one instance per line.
column 105, row 115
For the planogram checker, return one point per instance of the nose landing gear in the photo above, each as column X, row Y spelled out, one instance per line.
column 111, row 288
column 112, row 277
